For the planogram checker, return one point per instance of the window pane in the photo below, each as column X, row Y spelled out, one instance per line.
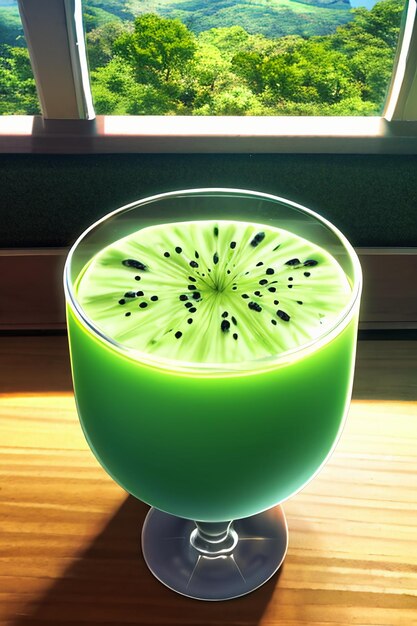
column 17, row 87
column 236, row 57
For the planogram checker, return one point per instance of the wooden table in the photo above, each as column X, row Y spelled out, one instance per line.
column 69, row 536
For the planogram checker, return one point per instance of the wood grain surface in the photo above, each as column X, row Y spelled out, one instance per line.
column 69, row 536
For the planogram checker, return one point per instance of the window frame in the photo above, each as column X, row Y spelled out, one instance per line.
column 68, row 125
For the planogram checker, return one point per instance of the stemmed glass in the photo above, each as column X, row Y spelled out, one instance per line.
column 205, row 443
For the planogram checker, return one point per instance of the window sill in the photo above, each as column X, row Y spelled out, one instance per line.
column 147, row 134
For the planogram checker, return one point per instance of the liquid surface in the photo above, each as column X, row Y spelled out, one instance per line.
column 213, row 292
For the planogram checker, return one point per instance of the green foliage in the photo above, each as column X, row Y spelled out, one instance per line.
column 228, row 71
column 97, row 13
column 157, row 48
column 328, row 4
column 17, row 86
column 100, row 42
column 272, row 18
column 11, row 31
column 116, row 92
column 158, row 66
column 115, row 8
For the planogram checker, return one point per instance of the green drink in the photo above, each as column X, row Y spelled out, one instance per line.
column 213, row 374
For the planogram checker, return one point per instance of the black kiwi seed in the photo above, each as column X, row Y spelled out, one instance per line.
column 256, row 293
column 259, row 237
column 143, row 305
column 293, row 262
column 289, row 286
column 183, row 297
column 216, row 231
column 276, row 302
column 193, row 280
column 307, row 274
column 122, row 301
column 196, row 295
column 225, row 314
column 227, row 271
column 154, row 298
column 254, row 306
column 274, row 322
column 245, row 296
column 270, row 271
column 299, row 302
column 259, row 264
column 310, row 263
column 167, row 255
column 192, row 309
column 290, row 278
column 272, row 289
column 235, row 335
column 188, row 305
column 190, row 320
column 192, row 287
column 178, row 334
column 128, row 314
column 234, row 320
column 234, row 288
column 233, row 244
column 130, row 294
column 196, row 254
column 283, row 315
column 133, row 263
column 215, row 258
column 263, row 281
column 178, row 250
column 137, row 277
column 193, row 264
column 276, row 247
column 139, row 293
column 225, row 326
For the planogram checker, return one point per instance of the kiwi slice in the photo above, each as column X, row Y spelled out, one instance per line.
column 212, row 291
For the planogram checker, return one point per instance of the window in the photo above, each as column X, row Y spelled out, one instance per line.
column 57, row 46
column 283, row 57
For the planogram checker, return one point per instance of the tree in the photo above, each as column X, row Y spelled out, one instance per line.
column 158, row 47
column 17, row 86
column 116, row 92
column 100, row 42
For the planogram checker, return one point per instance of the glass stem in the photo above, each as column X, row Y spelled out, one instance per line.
column 214, row 538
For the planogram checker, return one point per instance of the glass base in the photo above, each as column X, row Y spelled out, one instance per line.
column 174, row 561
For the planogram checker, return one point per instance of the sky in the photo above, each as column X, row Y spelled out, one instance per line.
column 368, row 4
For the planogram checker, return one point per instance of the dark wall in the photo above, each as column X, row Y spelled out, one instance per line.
column 47, row 200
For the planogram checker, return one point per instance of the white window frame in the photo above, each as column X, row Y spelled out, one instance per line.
column 68, row 123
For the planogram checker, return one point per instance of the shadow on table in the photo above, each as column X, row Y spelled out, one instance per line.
column 110, row 584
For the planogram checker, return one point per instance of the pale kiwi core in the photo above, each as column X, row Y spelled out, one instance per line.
column 213, row 291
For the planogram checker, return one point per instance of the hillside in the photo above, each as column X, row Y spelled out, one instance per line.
column 11, row 31
column 272, row 18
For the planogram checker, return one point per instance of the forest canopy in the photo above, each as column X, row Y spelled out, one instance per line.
column 158, row 66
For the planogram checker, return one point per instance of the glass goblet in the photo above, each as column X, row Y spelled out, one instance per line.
column 207, row 443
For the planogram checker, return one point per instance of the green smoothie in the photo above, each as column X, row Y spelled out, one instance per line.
column 212, row 364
